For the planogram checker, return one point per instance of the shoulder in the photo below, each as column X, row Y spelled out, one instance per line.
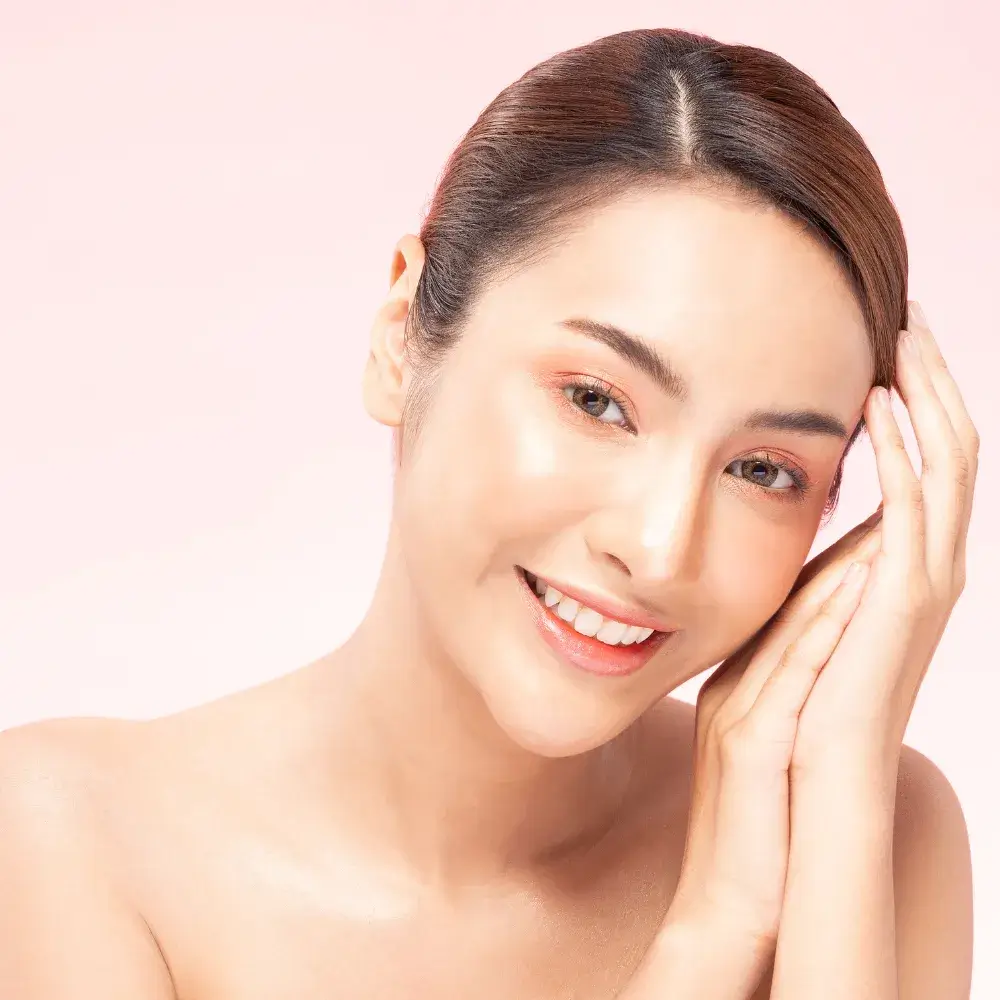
column 59, row 782
column 932, row 871
column 70, row 927
column 56, row 768
column 929, row 817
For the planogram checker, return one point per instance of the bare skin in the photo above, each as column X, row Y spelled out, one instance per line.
column 225, row 882
column 440, row 808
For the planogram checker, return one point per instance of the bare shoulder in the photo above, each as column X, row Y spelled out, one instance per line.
column 930, row 826
column 932, row 877
column 922, row 784
column 55, row 770
column 69, row 927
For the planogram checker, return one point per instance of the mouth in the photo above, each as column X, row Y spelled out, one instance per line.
column 583, row 637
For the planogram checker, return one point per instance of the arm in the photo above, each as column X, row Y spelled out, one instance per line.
column 703, row 960
column 877, row 907
column 66, row 930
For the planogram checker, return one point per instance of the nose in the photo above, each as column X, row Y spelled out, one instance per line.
column 655, row 530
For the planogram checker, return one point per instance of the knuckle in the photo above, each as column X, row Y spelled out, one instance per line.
column 733, row 743
column 961, row 468
column 969, row 434
column 796, row 650
column 830, row 613
column 915, row 499
column 713, row 726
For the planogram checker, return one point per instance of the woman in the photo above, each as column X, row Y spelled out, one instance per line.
column 623, row 362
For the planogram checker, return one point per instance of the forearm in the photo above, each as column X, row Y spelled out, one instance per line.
column 700, row 960
column 836, row 940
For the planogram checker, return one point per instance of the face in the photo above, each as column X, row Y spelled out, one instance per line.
column 648, row 421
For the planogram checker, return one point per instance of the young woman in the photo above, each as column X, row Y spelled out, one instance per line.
column 658, row 293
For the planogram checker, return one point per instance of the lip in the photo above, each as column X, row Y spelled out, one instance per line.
column 608, row 607
column 586, row 653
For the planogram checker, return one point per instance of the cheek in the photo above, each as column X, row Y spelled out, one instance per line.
column 497, row 468
column 753, row 568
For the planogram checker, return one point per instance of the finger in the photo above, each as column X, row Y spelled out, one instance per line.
column 944, row 382
column 777, row 707
column 799, row 618
column 840, row 551
column 823, row 581
column 902, row 497
column 958, row 413
column 945, row 469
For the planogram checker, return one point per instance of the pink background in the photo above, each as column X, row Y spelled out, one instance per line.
column 197, row 212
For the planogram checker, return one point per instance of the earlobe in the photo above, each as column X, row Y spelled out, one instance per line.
column 387, row 374
column 384, row 383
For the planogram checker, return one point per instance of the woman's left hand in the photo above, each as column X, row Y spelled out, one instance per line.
column 862, row 700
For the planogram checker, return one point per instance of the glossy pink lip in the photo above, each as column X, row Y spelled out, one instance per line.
column 582, row 651
column 609, row 608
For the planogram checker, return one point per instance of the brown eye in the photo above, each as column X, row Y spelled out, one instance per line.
column 595, row 404
column 760, row 473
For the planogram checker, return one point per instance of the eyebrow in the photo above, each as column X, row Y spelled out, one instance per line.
column 644, row 358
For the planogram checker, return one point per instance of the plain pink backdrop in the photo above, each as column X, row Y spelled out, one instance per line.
column 197, row 214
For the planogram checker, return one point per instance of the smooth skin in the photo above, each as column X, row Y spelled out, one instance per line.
column 439, row 808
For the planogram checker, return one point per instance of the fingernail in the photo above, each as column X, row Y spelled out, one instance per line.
column 918, row 313
column 910, row 345
column 882, row 397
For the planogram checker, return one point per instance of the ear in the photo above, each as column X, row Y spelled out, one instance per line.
column 387, row 374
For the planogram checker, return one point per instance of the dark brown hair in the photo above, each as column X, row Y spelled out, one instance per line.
column 642, row 109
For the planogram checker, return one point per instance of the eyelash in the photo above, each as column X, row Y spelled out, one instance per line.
column 802, row 484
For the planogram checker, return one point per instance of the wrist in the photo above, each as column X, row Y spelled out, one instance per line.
column 858, row 772
column 706, row 957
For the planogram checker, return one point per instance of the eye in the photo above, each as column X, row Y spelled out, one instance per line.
column 766, row 474
column 599, row 405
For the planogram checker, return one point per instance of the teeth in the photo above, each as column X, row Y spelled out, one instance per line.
column 629, row 637
column 585, row 620
column 588, row 622
column 568, row 609
column 611, row 632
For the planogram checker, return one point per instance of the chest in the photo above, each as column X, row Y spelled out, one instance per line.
column 279, row 936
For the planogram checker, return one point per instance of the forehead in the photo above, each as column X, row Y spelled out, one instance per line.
column 725, row 288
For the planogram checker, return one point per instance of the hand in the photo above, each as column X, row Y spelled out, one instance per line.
column 860, row 705
column 736, row 854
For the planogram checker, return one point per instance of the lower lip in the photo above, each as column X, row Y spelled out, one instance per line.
column 584, row 652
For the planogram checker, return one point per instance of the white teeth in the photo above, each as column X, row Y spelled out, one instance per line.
column 611, row 632
column 586, row 620
column 568, row 609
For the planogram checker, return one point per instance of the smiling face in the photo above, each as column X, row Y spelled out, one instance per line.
column 649, row 418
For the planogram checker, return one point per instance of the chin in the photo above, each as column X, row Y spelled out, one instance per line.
column 557, row 737
column 544, row 711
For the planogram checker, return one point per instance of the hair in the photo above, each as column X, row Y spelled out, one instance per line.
column 640, row 110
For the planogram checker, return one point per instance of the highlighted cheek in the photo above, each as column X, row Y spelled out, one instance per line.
column 535, row 454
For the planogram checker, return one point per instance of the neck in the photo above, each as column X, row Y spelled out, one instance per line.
column 426, row 775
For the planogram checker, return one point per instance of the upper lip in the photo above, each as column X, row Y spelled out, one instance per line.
column 606, row 606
